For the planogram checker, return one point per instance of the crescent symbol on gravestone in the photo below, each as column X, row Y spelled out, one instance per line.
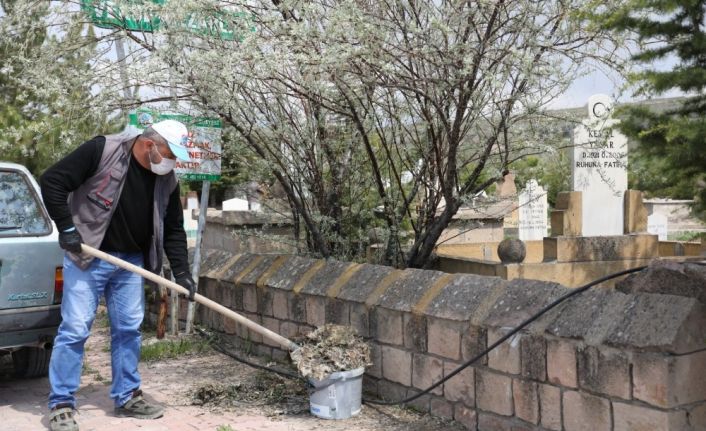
column 599, row 109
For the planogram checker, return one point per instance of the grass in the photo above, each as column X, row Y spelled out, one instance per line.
column 224, row 428
column 169, row 349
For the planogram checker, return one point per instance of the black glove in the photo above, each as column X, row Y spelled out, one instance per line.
column 185, row 280
column 70, row 240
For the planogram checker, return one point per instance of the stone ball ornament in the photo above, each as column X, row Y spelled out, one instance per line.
column 512, row 250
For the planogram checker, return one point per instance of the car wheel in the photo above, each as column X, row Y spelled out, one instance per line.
column 31, row 362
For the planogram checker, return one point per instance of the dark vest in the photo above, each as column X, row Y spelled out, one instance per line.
column 93, row 203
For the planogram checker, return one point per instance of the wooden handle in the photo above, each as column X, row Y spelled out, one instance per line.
column 287, row 344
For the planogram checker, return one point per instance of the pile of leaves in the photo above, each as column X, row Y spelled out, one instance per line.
column 264, row 389
column 329, row 349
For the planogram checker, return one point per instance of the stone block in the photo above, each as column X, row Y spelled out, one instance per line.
column 263, row 350
column 397, row 365
column 550, row 411
column 604, row 371
column 422, row 403
column 272, row 325
column 375, row 369
column 461, row 387
column 441, row 408
column 252, row 335
column 533, row 352
column 697, row 417
column 521, row 299
column 364, row 282
column 391, row 391
column 229, row 326
column 215, row 263
column 628, row 417
column 250, row 299
column 386, row 326
column 338, row 312
column 286, row 276
column 505, row 357
column 600, row 248
column 526, row 398
column 463, row 297
column 360, row 319
column 634, row 212
column 280, row 310
column 474, row 341
column 415, row 332
column 660, row 322
column 561, row 363
column 315, row 310
column 494, row 392
column 257, row 268
column 669, row 381
column 289, row 330
column 466, row 417
column 669, row 278
column 405, row 292
column 296, row 305
column 230, row 271
column 264, row 301
column 489, row 422
column 427, row 370
column 590, row 316
column 444, row 338
column 567, row 218
column 584, row 412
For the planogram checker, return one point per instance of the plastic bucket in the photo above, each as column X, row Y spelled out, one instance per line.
column 338, row 396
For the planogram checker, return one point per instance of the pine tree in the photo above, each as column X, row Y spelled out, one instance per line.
column 671, row 157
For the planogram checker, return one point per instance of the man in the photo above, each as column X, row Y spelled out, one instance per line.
column 117, row 193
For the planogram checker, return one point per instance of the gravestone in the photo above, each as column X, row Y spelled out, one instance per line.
column 599, row 169
column 533, row 212
column 657, row 224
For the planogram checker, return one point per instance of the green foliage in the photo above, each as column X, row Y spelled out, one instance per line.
column 552, row 172
column 41, row 121
column 671, row 157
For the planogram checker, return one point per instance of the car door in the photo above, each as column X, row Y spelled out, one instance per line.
column 30, row 257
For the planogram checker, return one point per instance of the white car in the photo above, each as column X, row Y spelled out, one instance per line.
column 31, row 282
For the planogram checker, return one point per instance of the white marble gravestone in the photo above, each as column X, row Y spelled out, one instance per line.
column 657, row 224
column 533, row 212
column 599, row 169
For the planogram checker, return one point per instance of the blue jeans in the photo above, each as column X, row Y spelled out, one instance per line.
column 125, row 300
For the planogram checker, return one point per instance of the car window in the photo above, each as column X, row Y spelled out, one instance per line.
column 20, row 210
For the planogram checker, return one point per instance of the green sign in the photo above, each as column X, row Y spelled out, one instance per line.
column 107, row 14
column 204, row 144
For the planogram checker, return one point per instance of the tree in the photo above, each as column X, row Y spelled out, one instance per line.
column 403, row 110
column 41, row 114
column 671, row 152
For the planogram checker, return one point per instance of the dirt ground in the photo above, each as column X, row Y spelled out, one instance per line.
column 202, row 391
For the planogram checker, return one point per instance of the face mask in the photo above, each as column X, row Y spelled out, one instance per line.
column 162, row 168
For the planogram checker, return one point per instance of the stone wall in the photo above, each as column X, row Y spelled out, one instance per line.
column 608, row 361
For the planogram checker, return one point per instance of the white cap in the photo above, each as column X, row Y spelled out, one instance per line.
column 176, row 135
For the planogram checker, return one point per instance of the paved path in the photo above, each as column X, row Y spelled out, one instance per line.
column 173, row 383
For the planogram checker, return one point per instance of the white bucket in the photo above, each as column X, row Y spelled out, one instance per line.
column 338, row 396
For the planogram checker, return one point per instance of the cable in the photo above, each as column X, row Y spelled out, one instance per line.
column 504, row 338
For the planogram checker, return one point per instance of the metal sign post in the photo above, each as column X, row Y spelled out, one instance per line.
column 203, row 209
